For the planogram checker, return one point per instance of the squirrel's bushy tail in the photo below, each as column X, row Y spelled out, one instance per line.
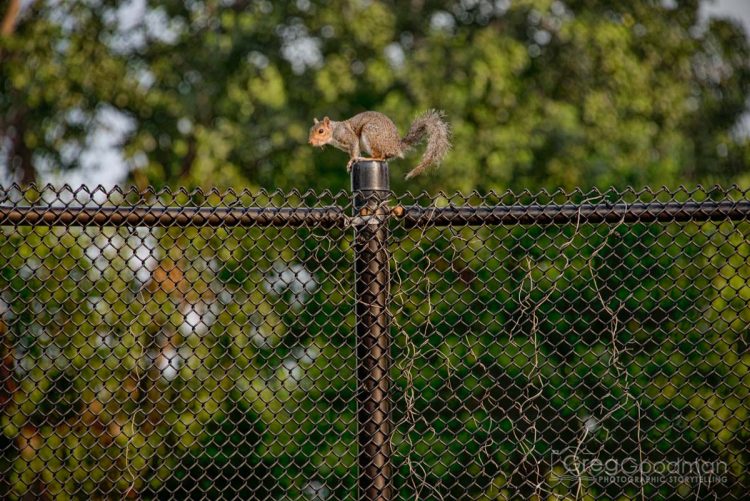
column 437, row 131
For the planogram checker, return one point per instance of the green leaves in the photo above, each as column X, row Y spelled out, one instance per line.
column 539, row 93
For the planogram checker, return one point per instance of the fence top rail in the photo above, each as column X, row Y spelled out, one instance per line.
column 576, row 213
column 172, row 216
column 84, row 206
column 411, row 215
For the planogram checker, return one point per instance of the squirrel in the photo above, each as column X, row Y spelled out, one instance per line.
column 377, row 135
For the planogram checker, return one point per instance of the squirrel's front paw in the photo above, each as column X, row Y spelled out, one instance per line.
column 350, row 163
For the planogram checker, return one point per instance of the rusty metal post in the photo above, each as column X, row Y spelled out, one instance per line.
column 371, row 189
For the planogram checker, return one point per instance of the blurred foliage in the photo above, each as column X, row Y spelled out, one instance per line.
column 541, row 93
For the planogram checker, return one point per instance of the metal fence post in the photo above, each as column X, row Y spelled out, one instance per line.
column 371, row 189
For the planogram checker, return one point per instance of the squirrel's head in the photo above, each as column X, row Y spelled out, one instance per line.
column 321, row 132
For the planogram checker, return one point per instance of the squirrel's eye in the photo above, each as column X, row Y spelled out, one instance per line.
column 320, row 131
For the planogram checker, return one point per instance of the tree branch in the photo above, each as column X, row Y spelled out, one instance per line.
column 9, row 20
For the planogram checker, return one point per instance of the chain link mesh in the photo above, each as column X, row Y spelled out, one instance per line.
column 203, row 345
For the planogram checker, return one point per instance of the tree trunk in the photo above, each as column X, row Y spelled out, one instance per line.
column 11, row 16
column 21, row 164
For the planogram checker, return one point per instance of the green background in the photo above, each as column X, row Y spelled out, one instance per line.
column 508, row 341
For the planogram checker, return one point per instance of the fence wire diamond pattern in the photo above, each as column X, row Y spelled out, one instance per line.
column 204, row 345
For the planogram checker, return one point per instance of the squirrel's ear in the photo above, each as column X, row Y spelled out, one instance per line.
column 315, row 120
column 326, row 120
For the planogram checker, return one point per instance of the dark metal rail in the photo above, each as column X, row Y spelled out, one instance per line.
column 172, row 216
column 411, row 215
column 572, row 213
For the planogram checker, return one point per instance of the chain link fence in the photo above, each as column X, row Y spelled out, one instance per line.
column 205, row 345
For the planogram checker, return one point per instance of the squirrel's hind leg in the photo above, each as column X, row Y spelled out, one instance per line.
column 378, row 143
column 370, row 143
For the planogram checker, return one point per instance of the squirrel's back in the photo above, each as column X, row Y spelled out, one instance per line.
column 370, row 117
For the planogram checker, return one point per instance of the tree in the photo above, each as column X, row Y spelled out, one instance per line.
column 540, row 92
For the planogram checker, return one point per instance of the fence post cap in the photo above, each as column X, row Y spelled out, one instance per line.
column 370, row 175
